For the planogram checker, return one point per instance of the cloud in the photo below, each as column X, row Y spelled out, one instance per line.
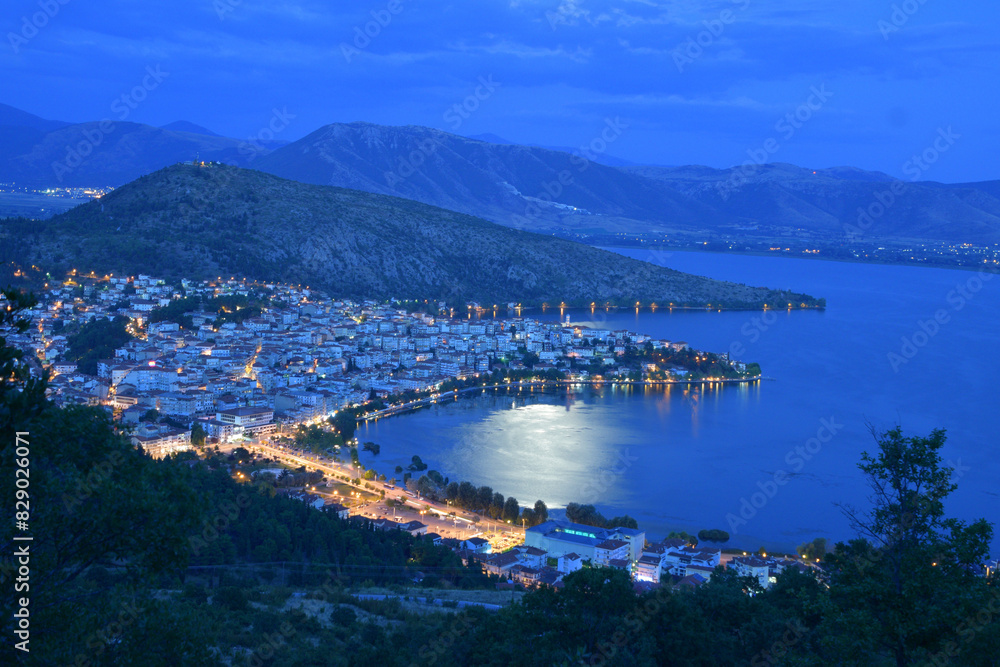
column 565, row 64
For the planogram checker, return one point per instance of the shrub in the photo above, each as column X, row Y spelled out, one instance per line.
column 713, row 535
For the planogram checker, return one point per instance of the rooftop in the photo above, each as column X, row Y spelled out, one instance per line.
column 611, row 545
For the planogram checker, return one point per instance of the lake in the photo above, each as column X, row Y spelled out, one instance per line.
column 767, row 462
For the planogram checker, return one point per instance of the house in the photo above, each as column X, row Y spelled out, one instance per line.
column 164, row 442
column 384, row 524
column 526, row 576
column 500, row 564
column 700, row 570
column 468, row 556
column 619, row 563
column 310, row 499
column 752, row 566
column 647, row 568
column 690, row 582
column 570, row 562
column 531, row 556
column 549, row 577
column 250, row 421
column 339, row 510
column 414, row 528
column 677, row 559
column 63, row 367
column 636, row 540
column 609, row 550
column 477, row 545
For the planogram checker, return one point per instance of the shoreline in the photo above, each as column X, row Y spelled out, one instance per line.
column 456, row 393
column 759, row 253
column 742, row 543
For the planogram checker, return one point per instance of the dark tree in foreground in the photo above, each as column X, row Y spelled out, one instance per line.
column 912, row 580
column 107, row 521
column 21, row 396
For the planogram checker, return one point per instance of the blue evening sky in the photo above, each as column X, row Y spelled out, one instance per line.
column 691, row 82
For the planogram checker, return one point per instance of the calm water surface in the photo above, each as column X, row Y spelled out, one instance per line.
column 677, row 459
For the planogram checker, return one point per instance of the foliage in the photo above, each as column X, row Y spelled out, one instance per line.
column 205, row 222
column 99, row 502
column 713, row 535
column 345, row 421
column 237, row 307
column 813, row 550
column 541, row 511
column 175, row 311
column 111, row 582
column 22, row 396
column 589, row 516
column 698, row 363
column 97, row 339
column 119, row 527
column 316, row 438
column 683, row 535
column 912, row 576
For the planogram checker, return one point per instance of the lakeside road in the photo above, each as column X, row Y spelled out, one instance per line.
column 440, row 518
column 437, row 516
column 454, row 393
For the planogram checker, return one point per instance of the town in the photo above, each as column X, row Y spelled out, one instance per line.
column 248, row 371
column 270, row 360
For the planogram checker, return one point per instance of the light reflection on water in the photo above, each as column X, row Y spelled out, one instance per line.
column 699, row 454
column 617, row 447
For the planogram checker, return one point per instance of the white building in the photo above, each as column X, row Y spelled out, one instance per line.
column 752, row 566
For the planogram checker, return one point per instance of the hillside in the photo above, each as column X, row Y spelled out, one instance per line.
column 520, row 186
column 602, row 158
column 188, row 126
column 824, row 200
column 203, row 222
column 547, row 190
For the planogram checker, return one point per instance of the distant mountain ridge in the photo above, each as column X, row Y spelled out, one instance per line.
column 602, row 158
column 839, row 200
column 545, row 190
column 39, row 153
column 187, row 126
column 526, row 187
column 521, row 186
column 11, row 117
column 204, row 222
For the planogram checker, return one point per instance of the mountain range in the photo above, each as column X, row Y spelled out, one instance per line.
column 40, row 153
column 208, row 221
column 526, row 187
column 546, row 190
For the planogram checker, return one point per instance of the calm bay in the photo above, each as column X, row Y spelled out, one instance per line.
column 766, row 462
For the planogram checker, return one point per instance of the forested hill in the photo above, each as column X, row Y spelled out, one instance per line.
column 208, row 221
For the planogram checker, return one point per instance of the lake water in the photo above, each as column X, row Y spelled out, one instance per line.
column 693, row 459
